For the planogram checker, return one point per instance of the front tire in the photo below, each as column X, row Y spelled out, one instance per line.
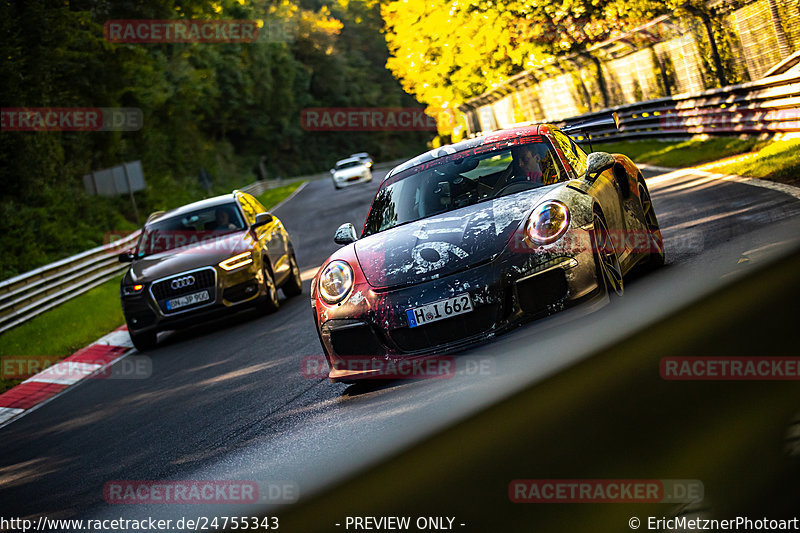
column 144, row 341
column 294, row 285
column 269, row 303
column 655, row 240
column 606, row 258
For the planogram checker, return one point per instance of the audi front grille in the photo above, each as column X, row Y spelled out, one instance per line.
column 188, row 282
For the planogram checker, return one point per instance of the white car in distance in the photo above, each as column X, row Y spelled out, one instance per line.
column 365, row 157
column 350, row 171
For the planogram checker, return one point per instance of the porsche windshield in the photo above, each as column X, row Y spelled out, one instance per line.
column 460, row 180
column 189, row 228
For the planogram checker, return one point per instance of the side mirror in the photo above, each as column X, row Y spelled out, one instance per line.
column 345, row 234
column 333, row 171
column 261, row 219
column 125, row 257
column 598, row 162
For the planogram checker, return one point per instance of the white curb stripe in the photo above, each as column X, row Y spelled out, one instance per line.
column 65, row 373
column 116, row 338
column 765, row 184
column 7, row 413
column 674, row 173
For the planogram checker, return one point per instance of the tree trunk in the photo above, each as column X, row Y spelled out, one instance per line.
column 706, row 19
column 601, row 80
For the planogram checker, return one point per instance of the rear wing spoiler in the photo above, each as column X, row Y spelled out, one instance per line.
column 585, row 127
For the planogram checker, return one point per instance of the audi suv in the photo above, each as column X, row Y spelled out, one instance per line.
column 202, row 260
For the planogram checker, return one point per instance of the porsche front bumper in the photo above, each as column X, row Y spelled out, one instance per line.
column 506, row 292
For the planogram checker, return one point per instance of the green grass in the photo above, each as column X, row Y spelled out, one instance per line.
column 778, row 161
column 84, row 319
column 679, row 154
column 273, row 197
column 67, row 328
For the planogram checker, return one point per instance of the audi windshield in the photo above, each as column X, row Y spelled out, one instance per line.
column 188, row 229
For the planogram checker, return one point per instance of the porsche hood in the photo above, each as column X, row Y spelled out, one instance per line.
column 446, row 243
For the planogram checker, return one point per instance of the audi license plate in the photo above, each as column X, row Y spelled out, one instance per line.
column 189, row 299
column 440, row 310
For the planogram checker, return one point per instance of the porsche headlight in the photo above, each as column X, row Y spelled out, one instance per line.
column 237, row 261
column 335, row 282
column 548, row 222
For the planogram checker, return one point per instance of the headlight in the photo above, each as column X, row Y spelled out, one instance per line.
column 237, row 261
column 548, row 222
column 335, row 282
column 129, row 290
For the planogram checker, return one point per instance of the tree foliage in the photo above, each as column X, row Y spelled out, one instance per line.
column 446, row 52
column 218, row 106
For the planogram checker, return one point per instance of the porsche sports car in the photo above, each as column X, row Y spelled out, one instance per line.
column 350, row 171
column 204, row 259
column 469, row 240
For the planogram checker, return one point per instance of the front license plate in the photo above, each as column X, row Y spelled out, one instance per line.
column 458, row 305
column 189, row 299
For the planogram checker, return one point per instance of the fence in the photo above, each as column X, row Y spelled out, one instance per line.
column 667, row 56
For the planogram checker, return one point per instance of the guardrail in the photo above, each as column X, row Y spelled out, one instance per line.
column 28, row 295
column 770, row 105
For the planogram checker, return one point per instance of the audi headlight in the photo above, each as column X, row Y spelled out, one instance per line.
column 335, row 282
column 237, row 261
column 548, row 222
column 130, row 290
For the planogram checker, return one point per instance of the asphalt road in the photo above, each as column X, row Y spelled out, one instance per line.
column 228, row 400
